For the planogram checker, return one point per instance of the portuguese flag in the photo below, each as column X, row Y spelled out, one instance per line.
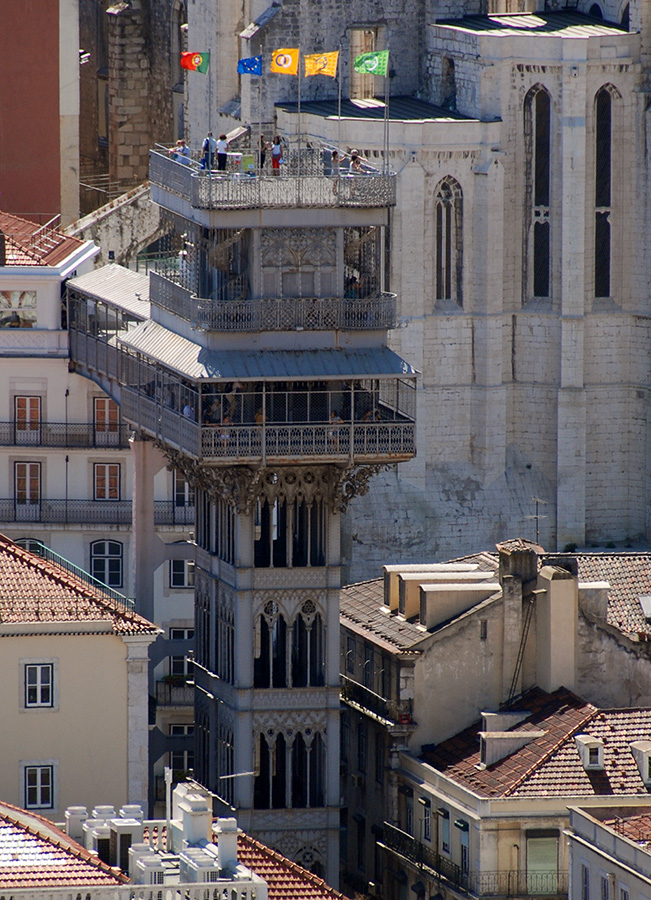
column 195, row 62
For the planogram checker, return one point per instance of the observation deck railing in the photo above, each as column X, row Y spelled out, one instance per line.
column 275, row 314
column 291, row 189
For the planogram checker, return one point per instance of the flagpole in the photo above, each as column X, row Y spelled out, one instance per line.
column 209, row 94
column 339, row 103
column 260, row 122
column 299, row 112
column 386, row 118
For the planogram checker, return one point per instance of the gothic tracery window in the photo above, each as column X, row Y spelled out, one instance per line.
column 289, row 654
column 289, row 770
column 537, row 124
column 448, row 240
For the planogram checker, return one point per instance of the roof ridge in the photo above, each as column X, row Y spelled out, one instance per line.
column 553, row 749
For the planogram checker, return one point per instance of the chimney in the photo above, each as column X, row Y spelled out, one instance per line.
column 226, row 832
column 392, row 577
column 441, row 602
column 75, row 818
column 557, row 605
column 497, row 745
column 641, row 751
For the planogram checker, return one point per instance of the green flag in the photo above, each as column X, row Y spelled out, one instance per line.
column 372, row 63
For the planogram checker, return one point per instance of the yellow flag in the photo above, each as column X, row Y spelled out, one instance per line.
column 285, row 61
column 322, row 64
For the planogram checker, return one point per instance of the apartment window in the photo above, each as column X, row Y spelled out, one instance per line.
column 106, row 562
column 39, row 786
column 106, row 420
column 537, row 118
column 624, row 893
column 107, row 481
column 445, row 830
column 605, row 887
column 181, row 761
column 27, row 483
column 181, row 634
column 448, row 202
column 465, row 844
column 350, row 655
column 542, row 862
column 427, row 818
column 344, row 738
column 368, row 667
column 593, row 756
column 180, row 665
column 180, row 730
column 181, row 573
column 361, row 842
column 362, row 746
column 39, row 685
column 483, row 629
column 183, row 491
column 27, row 419
column 585, row 882
column 379, row 759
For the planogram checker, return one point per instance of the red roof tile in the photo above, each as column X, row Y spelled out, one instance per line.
column 629, row 576
column 286, row 880
column 549, row 765
column 33, row 589
column 636, row 828
column 34, row 853
column 28, row 244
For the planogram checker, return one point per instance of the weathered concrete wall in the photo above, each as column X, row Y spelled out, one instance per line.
column 123, row 227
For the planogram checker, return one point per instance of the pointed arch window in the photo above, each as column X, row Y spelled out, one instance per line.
column 448, row 212
column 538, row 145
column 602, row 194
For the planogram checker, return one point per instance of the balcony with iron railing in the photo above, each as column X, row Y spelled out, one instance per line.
column 274, row 314
column 68, row 435
column 503, row 884
column 172, row 692
column 363, row 698
column 89, row 512
column 390, row 439
column 305, row 181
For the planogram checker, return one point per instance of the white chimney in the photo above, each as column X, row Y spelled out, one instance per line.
column 641, row 751
column 226, row 832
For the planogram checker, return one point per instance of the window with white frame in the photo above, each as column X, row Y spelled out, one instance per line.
column 181, row 634
column 427, row 818
column 27, row 419
column 181, row 730
column 38, row 785
column 106, row 481
column 106, row 416
column 39, row 685
column 181, row 760
column 27, row 483
column 183, row 490
column 181, row 573
column 445, row 830
column 180, row 666
column 106, row 562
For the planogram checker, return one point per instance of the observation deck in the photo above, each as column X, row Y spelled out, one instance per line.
column 306, row 182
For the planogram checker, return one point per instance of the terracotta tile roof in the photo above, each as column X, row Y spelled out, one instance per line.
column 33, row 589
column 549, row 765
column 286, row 880
column 637, row 827
column 28, row 244
column 629, row 576
column 36, row 854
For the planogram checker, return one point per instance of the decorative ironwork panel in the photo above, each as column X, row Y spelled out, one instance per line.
column 298, row 246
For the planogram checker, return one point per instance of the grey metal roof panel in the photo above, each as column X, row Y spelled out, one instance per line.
column 401, row 109
column 559, row 24
column 195, row 362
column 118, row 286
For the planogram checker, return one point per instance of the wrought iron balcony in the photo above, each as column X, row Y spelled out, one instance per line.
column 60, row 434
column 275, row 314
column 519, row 884
column 397, row 711
column 406, row 846
column 290, row 190
column 86, row 512
column 365, row 441
column 174, row 694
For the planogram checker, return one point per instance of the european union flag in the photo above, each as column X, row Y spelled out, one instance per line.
column 252, row 65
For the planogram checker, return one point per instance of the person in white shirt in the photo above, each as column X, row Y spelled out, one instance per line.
column 222, row 152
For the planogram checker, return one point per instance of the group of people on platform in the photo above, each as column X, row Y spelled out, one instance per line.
column 212, row 149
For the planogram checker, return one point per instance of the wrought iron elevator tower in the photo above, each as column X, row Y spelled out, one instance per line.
column 260, row 370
